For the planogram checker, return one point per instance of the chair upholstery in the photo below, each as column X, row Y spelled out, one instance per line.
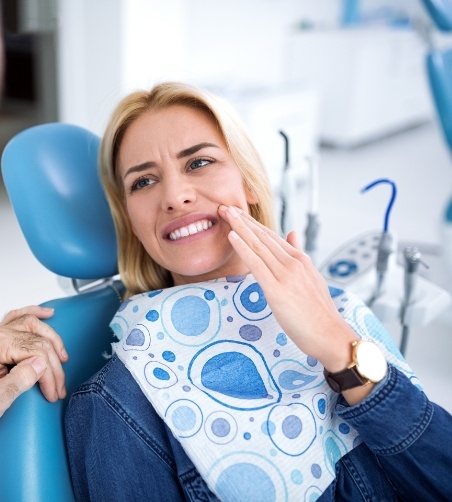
column 439, row 71
column 50, row 173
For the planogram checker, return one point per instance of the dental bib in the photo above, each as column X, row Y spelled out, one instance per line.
column 251, row 410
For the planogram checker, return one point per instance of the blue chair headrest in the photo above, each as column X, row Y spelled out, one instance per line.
column 441, row 13
column 50, row 174
column 439, row 68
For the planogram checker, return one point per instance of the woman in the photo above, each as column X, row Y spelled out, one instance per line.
column 224, row 337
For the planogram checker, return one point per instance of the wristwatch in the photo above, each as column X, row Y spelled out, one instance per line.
column 368, row 366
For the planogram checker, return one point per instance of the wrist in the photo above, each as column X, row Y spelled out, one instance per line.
column 337, row 351
column 368, row 366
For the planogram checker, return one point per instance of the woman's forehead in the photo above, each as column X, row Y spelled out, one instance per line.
column 175, row 128
column 172, row 122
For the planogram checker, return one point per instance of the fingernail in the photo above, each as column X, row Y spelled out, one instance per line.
column 64, row 354
column 39, row 365
column 49, row 309
column 234, row 235
column 223, row 208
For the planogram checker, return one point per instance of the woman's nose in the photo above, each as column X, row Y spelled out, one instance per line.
column 177, row 193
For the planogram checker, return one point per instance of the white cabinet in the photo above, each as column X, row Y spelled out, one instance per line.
column 371, row 82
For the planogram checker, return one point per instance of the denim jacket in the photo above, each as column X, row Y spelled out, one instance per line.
column 119, row 449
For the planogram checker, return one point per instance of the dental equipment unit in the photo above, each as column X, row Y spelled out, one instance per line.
column 394, row 293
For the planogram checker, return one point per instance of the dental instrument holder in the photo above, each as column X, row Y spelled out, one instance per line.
column 284, row 183
column 291, row 178
column 313, row 224
column 385, row 249
column 352, row 267
column 412, row 259
column 311, row 232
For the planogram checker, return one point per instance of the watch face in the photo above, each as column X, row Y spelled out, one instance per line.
column 370, row 361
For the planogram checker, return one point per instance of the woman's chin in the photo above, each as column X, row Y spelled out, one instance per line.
column 204, row 270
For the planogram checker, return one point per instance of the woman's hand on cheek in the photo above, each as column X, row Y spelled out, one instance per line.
column 296, row 292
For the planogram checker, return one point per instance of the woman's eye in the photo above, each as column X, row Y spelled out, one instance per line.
column 141, row 183
column 197, row 163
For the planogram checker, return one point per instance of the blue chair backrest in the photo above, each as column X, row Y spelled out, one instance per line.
column 441, row 13
column 439, row 68
column 50, row 173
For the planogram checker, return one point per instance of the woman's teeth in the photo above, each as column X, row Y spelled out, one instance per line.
column 191, row 229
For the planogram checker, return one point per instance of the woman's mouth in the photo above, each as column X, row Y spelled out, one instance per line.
column 191, row 229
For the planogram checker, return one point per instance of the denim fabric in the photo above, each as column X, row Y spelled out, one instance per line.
column 120, row 450
column 410, row 437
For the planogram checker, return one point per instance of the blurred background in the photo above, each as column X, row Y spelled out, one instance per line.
column 345, row 81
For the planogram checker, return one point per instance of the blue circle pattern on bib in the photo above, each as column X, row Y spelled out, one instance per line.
column 218, row 369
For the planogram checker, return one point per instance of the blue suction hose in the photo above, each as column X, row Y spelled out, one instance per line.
column 385, row 247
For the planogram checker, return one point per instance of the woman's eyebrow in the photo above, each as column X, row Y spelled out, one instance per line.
column 139, row 168
column 193, row 149
column 183, row 153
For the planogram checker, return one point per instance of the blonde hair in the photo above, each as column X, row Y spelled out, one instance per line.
column 139, row 272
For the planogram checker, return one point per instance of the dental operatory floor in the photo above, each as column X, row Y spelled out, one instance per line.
column 416, row 159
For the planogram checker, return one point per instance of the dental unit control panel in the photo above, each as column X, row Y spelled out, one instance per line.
column 352, row 262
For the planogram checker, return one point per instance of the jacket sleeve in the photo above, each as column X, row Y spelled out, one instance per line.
column 411, row 437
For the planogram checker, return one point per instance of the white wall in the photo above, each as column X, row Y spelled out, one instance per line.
column 108, row 47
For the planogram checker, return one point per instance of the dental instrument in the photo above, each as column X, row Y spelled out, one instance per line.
column 313, row 225
column 412, row 259
column 284, row 183
column 386, row 245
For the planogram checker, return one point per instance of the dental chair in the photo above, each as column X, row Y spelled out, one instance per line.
column 50, row 173
column 439, row 66
column 439, row 71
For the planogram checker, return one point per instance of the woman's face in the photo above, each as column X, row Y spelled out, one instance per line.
column 176, row 171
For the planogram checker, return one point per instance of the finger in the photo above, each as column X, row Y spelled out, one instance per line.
column 292, row 239
column 36, row 310
column 273, row 249
column 286, row 249
column 262, row 230
column 260, row 241
column 291, row 244
column 255, row 264
column 31, row 324
column 23, row 345
column 52, row 383
column 289, row 253
column 20, row 379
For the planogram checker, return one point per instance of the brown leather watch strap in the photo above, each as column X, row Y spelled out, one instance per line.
column 344, row 380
